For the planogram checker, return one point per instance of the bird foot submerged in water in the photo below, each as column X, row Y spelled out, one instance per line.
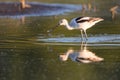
column 84, row 40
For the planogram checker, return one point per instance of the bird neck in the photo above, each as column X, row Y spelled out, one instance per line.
column 69, row 27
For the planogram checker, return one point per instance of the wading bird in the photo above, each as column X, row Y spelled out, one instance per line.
column 80, row 23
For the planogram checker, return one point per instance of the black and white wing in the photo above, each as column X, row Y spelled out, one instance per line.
column 84, row 22
column 83, row 19
column 88, row 19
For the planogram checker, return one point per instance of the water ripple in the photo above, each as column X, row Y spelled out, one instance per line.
column 109, row 39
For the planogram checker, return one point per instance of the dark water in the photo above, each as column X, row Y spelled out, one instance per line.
column 28, row 52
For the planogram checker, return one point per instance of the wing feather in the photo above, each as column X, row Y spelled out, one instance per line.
column 82, row 19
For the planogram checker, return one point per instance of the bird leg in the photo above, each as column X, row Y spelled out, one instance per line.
column 85, row 34
column 81, row 35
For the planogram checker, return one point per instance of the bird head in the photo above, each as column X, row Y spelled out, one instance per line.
column 63, row 22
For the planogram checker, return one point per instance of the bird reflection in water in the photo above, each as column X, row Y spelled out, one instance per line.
column 83, row 56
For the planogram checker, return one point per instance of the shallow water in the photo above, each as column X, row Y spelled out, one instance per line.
column 95, row 39
column 28, row 52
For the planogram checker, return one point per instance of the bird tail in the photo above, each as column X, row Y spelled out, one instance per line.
column 96, row 20
column 100, row 19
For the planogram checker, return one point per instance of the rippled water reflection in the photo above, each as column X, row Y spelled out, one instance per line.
column 83, row 55
column 35, row 61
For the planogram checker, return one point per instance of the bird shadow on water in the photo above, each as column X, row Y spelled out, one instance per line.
column 83, row 55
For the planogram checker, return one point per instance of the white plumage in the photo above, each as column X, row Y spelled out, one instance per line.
column 81, row 23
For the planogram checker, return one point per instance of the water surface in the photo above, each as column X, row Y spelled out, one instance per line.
column 28, row 52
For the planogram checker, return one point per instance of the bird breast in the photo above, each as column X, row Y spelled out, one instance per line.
column 73, row 24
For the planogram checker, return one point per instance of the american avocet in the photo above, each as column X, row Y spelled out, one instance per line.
column 80, row 23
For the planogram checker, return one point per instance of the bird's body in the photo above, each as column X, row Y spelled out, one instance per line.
column 83, row 22
column 80, row 23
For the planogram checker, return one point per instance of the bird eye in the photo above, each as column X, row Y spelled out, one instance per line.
column 61, row 21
